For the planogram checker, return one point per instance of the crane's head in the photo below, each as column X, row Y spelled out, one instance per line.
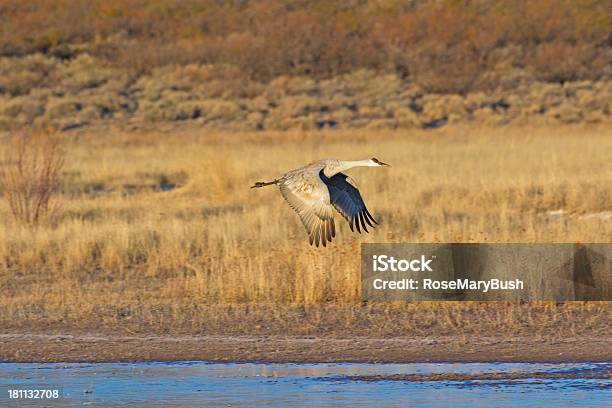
column 377, row 162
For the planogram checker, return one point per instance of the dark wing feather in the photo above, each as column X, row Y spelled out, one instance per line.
column 348, row 202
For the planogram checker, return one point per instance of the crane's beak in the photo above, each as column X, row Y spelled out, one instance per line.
column 375, row 160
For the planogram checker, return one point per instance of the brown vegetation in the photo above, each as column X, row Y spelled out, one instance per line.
column 31, row 173
column 455, row 42
column 307, row 65
column 157, row 231
column 153, row 228
column 82, row 93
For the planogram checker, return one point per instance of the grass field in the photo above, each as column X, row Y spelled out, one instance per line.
column 162, row 231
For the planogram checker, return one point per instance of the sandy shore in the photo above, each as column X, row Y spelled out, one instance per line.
column 91, row 347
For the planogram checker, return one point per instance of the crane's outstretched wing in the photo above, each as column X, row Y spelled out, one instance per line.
column 309, row 197
column 347, row 201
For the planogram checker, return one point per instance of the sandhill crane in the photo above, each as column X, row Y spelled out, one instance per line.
column 312, row 190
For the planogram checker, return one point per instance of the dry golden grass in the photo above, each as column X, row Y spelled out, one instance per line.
column 159, row 230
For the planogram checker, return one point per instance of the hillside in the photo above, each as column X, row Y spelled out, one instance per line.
column 304, row 65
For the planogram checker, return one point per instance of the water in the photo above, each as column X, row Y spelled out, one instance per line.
column 197, row 383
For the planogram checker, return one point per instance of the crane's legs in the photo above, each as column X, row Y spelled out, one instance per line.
column 264, row 183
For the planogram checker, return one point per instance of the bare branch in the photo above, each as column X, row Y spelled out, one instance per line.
column 33, row 164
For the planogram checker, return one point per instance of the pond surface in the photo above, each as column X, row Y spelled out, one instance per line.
column 199, row 383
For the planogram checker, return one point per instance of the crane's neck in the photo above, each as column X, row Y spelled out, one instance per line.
column 342, row 165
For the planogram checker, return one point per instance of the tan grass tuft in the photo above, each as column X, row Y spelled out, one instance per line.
column 33, row 164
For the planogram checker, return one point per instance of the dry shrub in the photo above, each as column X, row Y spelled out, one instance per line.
column 446, row 46
column 19, row 76
column 305, row 43
column 33, row 165
column 562, row 62
column 139, row 58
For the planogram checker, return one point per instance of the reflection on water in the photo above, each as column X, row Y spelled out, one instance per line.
column 182, row 384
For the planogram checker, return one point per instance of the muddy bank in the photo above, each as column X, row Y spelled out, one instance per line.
column 98, row 347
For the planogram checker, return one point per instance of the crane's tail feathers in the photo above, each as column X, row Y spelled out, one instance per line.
column 264, row 183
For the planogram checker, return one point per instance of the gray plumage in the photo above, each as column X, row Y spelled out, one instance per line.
column 313, row 190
